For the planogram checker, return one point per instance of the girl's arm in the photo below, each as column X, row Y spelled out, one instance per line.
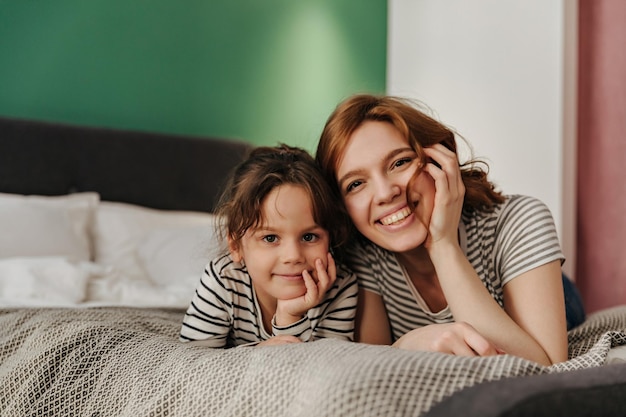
column 207, row 318
column 333, row 297
column 292, row 312
column 337, row 307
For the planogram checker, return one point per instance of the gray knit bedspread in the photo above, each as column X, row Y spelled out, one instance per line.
column 101, row 362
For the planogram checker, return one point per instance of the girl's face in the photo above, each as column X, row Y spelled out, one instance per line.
column 373, row 175
column 287, row 243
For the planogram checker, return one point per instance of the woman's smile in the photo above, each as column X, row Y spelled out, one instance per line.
column 396, row 217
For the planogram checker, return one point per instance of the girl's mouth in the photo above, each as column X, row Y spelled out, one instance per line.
column 396, row 217
column 291, row 277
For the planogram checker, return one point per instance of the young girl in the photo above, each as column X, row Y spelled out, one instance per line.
column 445, row 262
column 279, row 282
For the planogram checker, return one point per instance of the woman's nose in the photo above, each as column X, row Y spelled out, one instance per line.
column 385, row 190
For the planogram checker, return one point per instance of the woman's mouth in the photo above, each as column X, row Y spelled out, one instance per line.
column 396, row 217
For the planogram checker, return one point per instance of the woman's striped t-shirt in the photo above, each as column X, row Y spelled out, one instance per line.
column 515, row 237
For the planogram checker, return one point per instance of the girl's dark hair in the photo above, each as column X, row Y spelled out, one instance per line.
column 266, row 168
column 416, row 126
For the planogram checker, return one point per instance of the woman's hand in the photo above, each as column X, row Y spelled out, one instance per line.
column 449, row 194
column 290, row 311
column 457, row 338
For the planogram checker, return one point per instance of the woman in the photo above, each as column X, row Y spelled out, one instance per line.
column 445, row 262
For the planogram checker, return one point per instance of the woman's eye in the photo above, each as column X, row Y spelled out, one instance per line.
column 309, row 237
column 352, row 186
column 401, row 162
column 270, row 238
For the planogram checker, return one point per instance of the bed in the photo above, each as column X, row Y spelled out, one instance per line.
column 104, row 234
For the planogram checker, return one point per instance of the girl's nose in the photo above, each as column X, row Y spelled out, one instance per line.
column 291, row 252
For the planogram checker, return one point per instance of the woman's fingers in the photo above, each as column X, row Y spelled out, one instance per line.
column 480, row 345
column 453, row 338
column 452, row 343
column 448, row 172
column 449, row 193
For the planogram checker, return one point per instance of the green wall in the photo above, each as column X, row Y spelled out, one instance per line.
column 259, row 70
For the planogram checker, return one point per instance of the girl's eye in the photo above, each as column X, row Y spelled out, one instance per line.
column 310, row 237
column 270, row 238
column 352, row 186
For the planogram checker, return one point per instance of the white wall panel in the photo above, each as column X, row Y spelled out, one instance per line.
column 498, row 72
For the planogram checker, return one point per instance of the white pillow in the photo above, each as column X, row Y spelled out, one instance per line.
column 120, row 230
column 46, row 226
column 173, row 255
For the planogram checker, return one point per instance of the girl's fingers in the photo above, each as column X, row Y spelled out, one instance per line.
column 279, row 340
column 311, row 286
column 332, row 268
column 323, row 279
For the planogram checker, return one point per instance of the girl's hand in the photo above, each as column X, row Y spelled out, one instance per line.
column 457, row 338
column 290, row 311
column 449, row 194
column 279, row 340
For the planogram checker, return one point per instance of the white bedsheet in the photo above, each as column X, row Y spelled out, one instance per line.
column 60, row 282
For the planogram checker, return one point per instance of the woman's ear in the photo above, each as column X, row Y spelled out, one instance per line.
column 235, row 251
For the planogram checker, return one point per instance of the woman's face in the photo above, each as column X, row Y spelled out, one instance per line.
column 373, row 175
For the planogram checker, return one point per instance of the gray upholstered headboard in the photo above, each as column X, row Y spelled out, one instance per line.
column 171, row 172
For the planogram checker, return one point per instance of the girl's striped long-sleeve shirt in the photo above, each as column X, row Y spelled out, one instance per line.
column 224, row 311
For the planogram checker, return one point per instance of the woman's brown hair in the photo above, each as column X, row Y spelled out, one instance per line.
column 266, row 168
column 416, row 126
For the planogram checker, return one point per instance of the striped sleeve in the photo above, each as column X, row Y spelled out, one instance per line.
column 208, row 316
column 526, row 238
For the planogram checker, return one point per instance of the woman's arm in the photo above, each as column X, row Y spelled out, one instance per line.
column 470, row 301
column 372, row 324
column 453, row 338
column 534, row 296
column 529, row 338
